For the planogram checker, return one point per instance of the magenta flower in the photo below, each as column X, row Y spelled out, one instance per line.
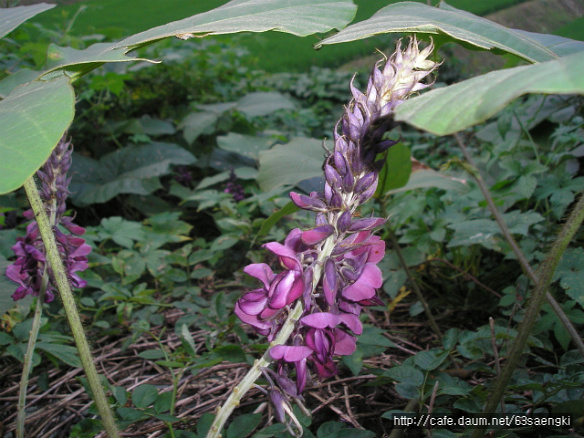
column 31, row 265
column 331, row 268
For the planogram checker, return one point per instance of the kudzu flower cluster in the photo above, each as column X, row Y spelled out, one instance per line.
column 31, row 263
column 332, row 268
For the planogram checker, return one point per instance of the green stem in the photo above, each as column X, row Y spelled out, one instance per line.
column 538, row 297
column 28, row 357
column 473, row 170
column 254, row 373
column 62, row 283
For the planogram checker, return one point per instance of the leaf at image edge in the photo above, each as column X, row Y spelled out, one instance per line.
column 33, row 118
column 451, row 109
column 298, row 17
column 11, row 18
column 453, row 23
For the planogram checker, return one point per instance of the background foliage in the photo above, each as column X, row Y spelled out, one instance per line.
column 157, row 146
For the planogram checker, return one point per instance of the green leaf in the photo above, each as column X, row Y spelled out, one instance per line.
column 11, row 18
column 405, row 374
column 570, row 273
column 430, row 360
column 144, row 395
column 205, row 423
column 247, row 145
column 428, row 178
column 121, row 231
column 131, row 414
column 396, row 170
column 291, row 163
column 151, row 354
column 133, row 169
column 263, row 103
column 243, row 425
column 267, row 224
column 187, row 341
column 451, row 109
column 450, row 23
column 298, row 17
column 559, row 45
column 65, row 353
column 33, row 119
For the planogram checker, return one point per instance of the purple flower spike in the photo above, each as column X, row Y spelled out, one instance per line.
column 330, row 271
column 30, row 265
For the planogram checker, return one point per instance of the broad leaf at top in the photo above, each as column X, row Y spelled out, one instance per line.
column 451, row 109
column 298, row 17
column 11, row 18
column 446, row 21
column 33, row 118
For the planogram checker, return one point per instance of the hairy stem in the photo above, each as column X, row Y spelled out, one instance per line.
column 254, row 373
column 28, row 357
column 538, row 296
column 62, row 283
column 516, row 250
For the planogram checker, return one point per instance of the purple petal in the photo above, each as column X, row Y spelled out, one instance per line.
column 252, row 303
column 345, row 344
column 262, row 272
column 317, row 235
column 290, row 353
column 321, row 320
column 330, row 283
column 287, row 255
column 352, row 322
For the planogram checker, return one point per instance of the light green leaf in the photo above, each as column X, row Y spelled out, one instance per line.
column 133, row 169
column 144, row 395
column 263, row 103
column 448, row 22
column 570, row 273
column 11, row 18
column 298, row 17
column 559, row 45
column 451, row 109
column 247, row 145
column 33, row 119
column 291, row 163
column 396, row 171
column 21, row 77
column 428, row 178
column 79, row 62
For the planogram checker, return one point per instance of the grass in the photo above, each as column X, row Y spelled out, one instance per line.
column 275, row 51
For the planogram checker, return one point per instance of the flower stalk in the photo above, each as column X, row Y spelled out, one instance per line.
column 309, row 312
column 62, row 283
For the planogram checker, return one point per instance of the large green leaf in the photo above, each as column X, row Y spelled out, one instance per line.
column 133, row 169
column 559, row 45
column 448, row 22
column 450, row 109
column 11, row 18
column 298, row 17
column 290, row 163
column 33, row 119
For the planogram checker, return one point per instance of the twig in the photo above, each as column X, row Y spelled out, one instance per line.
column 496, row 354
